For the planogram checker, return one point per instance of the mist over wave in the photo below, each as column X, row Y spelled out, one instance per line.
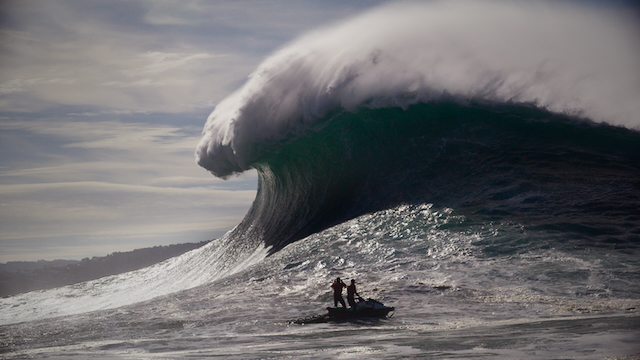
column 565, row 58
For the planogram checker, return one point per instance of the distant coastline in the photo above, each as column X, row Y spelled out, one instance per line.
column 23, row 276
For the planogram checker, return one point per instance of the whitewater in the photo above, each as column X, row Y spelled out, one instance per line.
column 476, row 165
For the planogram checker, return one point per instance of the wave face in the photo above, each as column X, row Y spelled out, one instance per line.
column 491, row 163
column 468, row 105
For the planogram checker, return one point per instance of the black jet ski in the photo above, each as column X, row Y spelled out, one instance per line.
column 364, row 309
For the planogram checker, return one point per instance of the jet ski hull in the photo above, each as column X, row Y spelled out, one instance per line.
column 364, row 309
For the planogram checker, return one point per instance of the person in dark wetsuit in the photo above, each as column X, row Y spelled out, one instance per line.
column 351, row 292
column 337, row 286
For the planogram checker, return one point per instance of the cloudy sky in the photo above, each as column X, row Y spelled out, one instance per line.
column 102, row 104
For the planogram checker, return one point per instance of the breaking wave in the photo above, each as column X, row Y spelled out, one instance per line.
column 506, row 112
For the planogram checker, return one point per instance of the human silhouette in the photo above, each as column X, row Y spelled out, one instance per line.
column 351, row 292
column 337, row 286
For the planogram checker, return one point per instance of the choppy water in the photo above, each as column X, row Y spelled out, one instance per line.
column 453, row 299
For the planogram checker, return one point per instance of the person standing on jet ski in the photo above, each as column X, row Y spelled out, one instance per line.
column 337, row 286
column 351, row 292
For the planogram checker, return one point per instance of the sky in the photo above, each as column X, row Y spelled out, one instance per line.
column 102, row 104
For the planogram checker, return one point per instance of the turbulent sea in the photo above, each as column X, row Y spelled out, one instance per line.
column 499, row 213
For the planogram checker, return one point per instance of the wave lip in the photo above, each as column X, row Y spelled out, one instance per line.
column 565, row 58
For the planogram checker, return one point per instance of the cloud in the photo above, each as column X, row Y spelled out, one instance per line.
column 121, row 80
column 158, row 62
column 112, row 135
column 155, row 56
column 67, row 61
column 108, row 181
column 123, row 210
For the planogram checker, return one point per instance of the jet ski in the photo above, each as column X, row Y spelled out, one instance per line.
column 369, row 308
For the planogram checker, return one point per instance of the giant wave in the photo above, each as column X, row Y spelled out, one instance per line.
column 505, row 112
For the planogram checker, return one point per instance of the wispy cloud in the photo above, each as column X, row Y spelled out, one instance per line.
column 111, row 135
column 158, row 56
column 112, row 180
column 100, row 208
column 67, row 61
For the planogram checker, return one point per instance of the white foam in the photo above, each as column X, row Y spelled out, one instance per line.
column 564, row 57
column 213, row 261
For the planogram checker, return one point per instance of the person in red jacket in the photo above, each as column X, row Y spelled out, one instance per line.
column 337, row 286
column 351, row 292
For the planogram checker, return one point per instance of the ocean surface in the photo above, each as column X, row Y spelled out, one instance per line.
column 491, row 196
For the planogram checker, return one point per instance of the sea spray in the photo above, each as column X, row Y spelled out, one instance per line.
column 569, row 59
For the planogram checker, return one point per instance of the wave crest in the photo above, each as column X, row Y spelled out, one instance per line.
column 564, row 58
